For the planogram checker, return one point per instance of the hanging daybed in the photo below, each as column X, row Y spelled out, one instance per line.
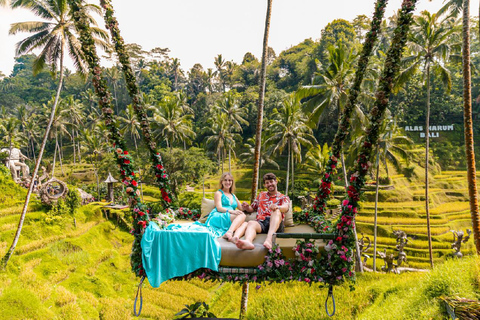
column 305, row 262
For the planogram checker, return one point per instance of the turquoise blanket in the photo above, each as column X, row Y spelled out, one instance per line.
column 178, row 250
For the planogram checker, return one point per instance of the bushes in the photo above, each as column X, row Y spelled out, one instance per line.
column 190, row 200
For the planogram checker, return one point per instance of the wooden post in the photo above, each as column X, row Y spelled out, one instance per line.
column 243, row 306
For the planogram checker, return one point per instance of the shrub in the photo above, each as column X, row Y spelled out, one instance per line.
column 190, row 200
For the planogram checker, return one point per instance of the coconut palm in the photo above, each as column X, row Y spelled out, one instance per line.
column 328, row 95
column 316, row 159
column 468, row 124
column 220, row 65
column 289, row 129
column 220, row 136
column 130, row 124
column 431, row 42
column 74, row 116
column 258, row 132
column 95, row 145
column 230, row 105
column 390, row 146
column 55, row 36
column 171, row 123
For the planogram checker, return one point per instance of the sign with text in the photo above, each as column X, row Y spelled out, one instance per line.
column 434, row 131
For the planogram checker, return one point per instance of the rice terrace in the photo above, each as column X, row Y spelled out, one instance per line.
column 239, row 159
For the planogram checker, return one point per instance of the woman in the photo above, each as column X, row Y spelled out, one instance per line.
column 225, row 217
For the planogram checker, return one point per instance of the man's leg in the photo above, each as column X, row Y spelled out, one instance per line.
column 253, row 228
column 275, row 220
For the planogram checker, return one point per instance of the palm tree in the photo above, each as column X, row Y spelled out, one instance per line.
column 258, row 132
column 130, row 124
column 220, row 65
column 96, row 146
column 316, row 159
column 220, row 136
column 230, row 105
column 74, row 116
column 388, row 147
column 54, row 36
column 432, row 41
column 453, row 8
column 171, row 122
column 467, row 113
column 176, row 70
column 289, row 129
column 113, row 75
column 328, row 94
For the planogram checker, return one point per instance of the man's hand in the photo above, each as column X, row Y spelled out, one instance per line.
column 273, row 207
column 245, row 206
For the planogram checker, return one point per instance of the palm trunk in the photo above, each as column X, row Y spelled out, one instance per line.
column 467, row 118
column 73, row 144
column 288, row 168
column 229, row 161
column 33, row 151
column 244, row 301
column 293, row 173
column 54, row 155
column 60, row 157
column 79, row 153
column 261, row 97
column 375, row 214
column 427, row 147
column 96, row 175
column 10, row 251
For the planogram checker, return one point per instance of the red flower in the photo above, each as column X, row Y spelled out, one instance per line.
column 141, row 214
column 143, row 223
column 134, row 183
column 159, row 167
column 126, row 161
column 339, row 239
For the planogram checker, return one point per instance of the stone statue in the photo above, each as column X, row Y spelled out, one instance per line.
column 389, row 259
column 52, row 190
column 458, row 240
column 362, row 249
column 306, row 201
column 402, row 241
column 15, row 162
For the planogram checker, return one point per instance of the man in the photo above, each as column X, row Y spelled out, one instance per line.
column 271, row 207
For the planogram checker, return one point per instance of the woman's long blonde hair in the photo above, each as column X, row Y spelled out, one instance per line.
column 224, row 175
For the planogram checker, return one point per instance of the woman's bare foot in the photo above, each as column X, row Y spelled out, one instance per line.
column 268, row 244
column 234, row 240
column 245, row 245
column 228, row 236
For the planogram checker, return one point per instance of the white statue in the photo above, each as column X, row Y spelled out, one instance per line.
column 15, row 163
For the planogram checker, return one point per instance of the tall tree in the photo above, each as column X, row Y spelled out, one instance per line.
column 468, row 123
column 289, row 129
column 431, row 41
column 130, row 124
column 55, row 36
column 261, row 98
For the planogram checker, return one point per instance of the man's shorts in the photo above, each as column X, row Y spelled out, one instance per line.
column 265, row 225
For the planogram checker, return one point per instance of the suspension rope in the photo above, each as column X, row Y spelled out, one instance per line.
column 330, row 294
column 139, row 291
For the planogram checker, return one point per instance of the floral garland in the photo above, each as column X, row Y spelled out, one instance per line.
column 124, row 159
column 324, row 190
column 137, row 102
column 339, row 258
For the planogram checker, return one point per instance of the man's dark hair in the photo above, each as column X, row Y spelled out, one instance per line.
column 269, row 176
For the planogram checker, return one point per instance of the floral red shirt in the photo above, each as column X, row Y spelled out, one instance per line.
column 264, row 200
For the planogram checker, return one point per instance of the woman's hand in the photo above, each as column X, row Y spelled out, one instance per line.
column 235, row 212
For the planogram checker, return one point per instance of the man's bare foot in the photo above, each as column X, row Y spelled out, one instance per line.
column 228, row 236
column 268, row 244
column 234, row 240
column 245, row 245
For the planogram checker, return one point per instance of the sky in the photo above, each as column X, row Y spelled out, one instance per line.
column 197, row 31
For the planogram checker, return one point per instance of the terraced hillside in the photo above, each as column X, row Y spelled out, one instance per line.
column 404, row 208
column 62, row 272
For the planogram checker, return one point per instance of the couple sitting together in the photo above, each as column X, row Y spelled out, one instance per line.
column 270, row 205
